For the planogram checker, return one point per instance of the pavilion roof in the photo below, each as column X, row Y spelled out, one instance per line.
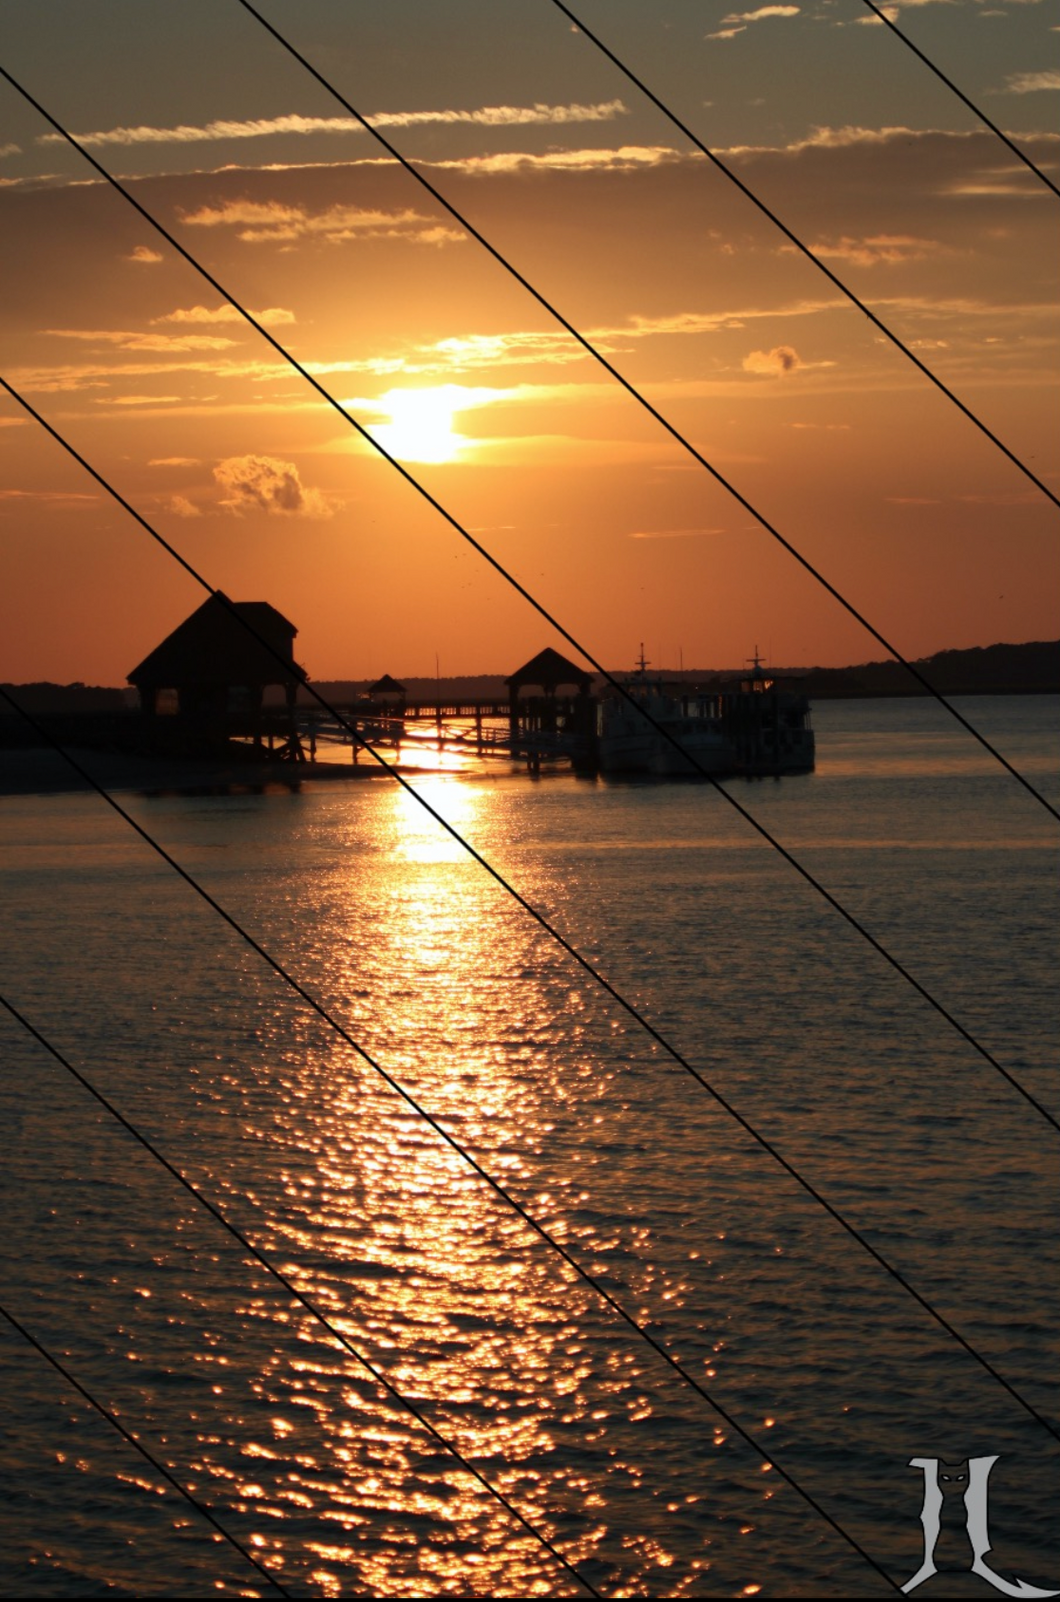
column 212, row 647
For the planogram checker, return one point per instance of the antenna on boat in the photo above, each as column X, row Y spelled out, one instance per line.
column 642, row 663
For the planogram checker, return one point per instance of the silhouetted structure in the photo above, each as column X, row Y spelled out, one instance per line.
column 387, row 689
column 216, row 672
column 548, row 671
column 548, row 713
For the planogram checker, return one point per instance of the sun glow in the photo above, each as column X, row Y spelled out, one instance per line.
column 421, row 424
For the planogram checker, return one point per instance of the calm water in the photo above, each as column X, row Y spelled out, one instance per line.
column 829, row 1365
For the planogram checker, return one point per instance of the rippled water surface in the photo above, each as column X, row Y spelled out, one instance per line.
column 835, row 1372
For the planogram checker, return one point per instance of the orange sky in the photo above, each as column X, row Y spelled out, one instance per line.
column 747, row 348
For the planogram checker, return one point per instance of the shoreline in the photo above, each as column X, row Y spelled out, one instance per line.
column 40, row 771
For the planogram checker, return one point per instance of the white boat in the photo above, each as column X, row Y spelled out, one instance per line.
column 751, row 727
column 634, row 731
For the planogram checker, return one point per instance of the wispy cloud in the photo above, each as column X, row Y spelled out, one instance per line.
column 674, row 533
column 56, row 497
column 625, row 157
column 128, row 339
column 143, row 253
column 141, row 400
column 760, row 15
column 272, row 222
column 534, row 347
column 1017, row 186
column 265, row 127
column 889, row 249
column 1027, row 83
column 737, row 21
column 696, row 322
column 224, row 314
column 265, row 484
column 180, row 506
column 70, row 378
column 823, row 137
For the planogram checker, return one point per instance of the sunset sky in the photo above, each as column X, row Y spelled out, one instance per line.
column 598, row 200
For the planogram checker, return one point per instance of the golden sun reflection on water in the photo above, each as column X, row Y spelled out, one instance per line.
column 409, row 831
column 410, row 1253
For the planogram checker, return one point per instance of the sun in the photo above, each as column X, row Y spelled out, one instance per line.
column 421, row 424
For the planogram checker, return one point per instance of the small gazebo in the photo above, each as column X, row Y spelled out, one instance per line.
column 547, row 672
column 388, row 690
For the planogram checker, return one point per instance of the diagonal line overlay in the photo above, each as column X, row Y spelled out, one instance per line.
column 498, row 567
column 671, row 1050
column 292, row 1289
column 983, row 118
column 133, row 1440
column 803, row 250
column 539, row 917
column 505, row 1195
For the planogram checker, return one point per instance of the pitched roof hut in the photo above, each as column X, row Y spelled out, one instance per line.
column 387, row 686
column 216, row 666
column 547, row 671
column 546, row 714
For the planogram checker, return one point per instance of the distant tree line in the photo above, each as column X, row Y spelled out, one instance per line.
column 1029, row 669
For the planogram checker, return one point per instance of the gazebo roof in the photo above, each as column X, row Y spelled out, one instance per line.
column 386, row 686
column 211, row 647
column 549, row 670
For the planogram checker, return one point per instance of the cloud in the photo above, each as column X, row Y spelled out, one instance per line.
column 126, row 339
column 265, row 484
column 10, row 150
column 876, row 248
column 825, row 138
column 536, row 347
column 674, row 533
column 760, row 15
column 781, row 359
column 1026, row 83
column 737, row 22
column 140, row 400
column 1019, row 186
column 144, row 253
column 520, row 348
column 625, row 158
column 270, row 221
column 49, row 497
column 174, row 461
column 224, row 314
column 70, row 377
column 263, row 127
column 180, row 506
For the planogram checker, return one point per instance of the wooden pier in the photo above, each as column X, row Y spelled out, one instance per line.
column 537, row 730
